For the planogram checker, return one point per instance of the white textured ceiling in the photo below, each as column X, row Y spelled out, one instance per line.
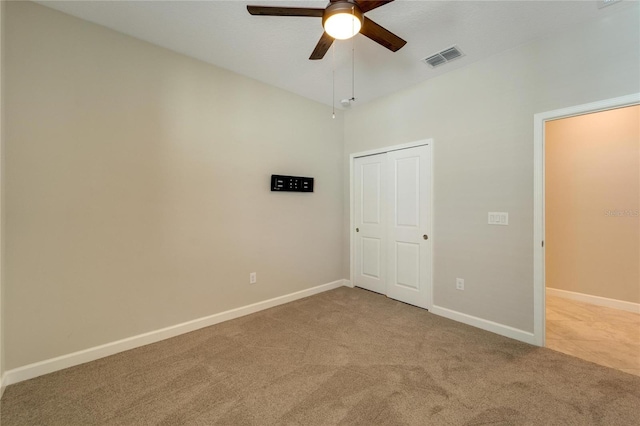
column 275, row 50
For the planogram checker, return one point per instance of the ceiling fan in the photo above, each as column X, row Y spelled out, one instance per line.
column 341, row 19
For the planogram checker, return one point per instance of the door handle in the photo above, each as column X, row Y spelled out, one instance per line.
column 357, row 229
column 425, row 237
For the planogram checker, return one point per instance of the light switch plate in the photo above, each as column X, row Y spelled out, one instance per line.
column 498, row 218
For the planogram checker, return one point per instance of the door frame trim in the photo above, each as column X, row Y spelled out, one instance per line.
column 383, row 150
column 539, row 120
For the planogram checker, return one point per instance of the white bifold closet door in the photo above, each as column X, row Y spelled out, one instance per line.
column 391, row 209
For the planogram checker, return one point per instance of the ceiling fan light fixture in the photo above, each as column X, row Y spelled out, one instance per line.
column 342, row 20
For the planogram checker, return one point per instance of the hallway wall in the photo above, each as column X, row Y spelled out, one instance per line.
column 592, row 202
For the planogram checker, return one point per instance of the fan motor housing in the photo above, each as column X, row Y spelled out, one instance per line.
column 344, row 6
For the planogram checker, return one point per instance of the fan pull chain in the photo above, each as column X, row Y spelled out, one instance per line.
column 353, row 69
column 353, row 43
column 353, row 55
column 333, row 79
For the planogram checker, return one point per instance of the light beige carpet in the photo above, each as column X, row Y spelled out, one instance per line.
column 347, row 356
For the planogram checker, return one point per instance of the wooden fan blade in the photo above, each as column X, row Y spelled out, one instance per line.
column 322, row 47
column 381, row 35
column 367, row 5
column 285, row 11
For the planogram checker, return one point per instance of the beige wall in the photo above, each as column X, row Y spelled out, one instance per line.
column 481, row 119
column 137, row 188
column 592, row 202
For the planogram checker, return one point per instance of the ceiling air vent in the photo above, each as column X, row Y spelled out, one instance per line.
column 443, row 57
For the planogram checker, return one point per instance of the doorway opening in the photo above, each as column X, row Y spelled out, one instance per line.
column 586, row 235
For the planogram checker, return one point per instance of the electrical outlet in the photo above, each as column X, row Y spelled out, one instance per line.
column 253, row 278
column 459, row 284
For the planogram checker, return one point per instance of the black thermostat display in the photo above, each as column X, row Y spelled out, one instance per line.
column 291, row 183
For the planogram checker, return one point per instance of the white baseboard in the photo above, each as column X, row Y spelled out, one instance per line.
column 348, row 283
column 595, row 300
column 76, row 358
column 494, row 327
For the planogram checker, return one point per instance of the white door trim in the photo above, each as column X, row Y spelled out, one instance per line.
column 539, row 121
column 382, row 150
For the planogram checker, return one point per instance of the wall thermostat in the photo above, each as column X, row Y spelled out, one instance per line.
column 291, row 183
